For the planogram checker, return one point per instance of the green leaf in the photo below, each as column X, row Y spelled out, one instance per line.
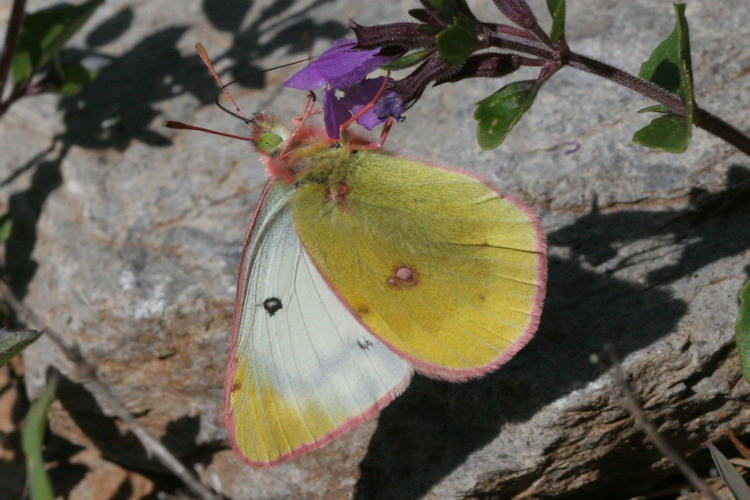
column 26, row 59
column 408, row 60
column 6, row 228
column 669, row 132
column 32, row 439
column 498, row 113
column 742, row 331
column 729, row 474
column 669, row 67
column 448, row 9
column 45, row 32
column 656, row 108
column 557, row 10
column 12, row 342
column 669, row 64
column 457, row 42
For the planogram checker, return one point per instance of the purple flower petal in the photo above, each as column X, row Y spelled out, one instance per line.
column 390, row 104
column 334, row 113
column 358, row 96
column 338, row 67
column 337, row 110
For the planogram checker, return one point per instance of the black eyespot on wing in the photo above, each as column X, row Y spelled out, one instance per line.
column 271, row 305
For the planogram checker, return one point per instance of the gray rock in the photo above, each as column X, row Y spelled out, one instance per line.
column 129, row 240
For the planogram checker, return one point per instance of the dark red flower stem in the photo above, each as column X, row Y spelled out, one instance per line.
column 507, row 37
column 11, row 42
column 640, row 85
column 701, row 118
column 542, row 35
column 558, row 55
column 520, row 45
column 721, row 129
column 18, row 93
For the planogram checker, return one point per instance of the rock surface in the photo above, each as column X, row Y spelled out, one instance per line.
column 129, row 238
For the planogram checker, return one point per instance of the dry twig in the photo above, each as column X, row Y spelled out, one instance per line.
column 103, row 392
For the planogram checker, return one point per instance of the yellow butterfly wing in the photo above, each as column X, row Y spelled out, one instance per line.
column 302, row 369
column 434, row 262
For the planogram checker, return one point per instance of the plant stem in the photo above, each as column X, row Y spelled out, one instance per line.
column 640, row 85
column 17, row 93
column 721, row 129
column 630, row 402
column 11, row 42
column 701, row 118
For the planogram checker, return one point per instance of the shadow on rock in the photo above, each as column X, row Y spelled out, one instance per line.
column 24, row 208
column 121, row 104
column 430, row 430
column 281, row 26
column 122, row 447
column 713, row 226
column 434, row 426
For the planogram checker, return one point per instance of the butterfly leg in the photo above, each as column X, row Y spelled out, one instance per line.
column 307, row 111
column 365, row 109
column 299, row 122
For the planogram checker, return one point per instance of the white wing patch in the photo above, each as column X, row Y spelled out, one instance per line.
column 306, row 370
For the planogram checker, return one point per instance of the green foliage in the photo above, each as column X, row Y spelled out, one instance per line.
column 656, row 108
column 43, row 35
column 448, row 9
column 729, row 474
column 6, row 228
column 408, row 60
column 497, row 114
column 457, row 42
column 557, row 10
column 13, row 342
column 32, row 440
column 742, row 331
column 669, row 67
column 669, row 132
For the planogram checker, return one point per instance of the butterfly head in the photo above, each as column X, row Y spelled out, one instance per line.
column 268, row 135
column 286, row 151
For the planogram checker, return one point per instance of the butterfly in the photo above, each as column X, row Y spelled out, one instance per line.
column 359, row 268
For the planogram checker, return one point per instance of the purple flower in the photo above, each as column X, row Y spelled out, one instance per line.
column 342, row 70
column 337, row 110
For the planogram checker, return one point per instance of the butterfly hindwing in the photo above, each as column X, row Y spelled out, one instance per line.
column 302, row 368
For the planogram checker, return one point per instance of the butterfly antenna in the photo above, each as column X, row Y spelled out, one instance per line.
column 224, row 87
column 185, row 126
column 227, row 110
column 204, row 57
column 286, row 64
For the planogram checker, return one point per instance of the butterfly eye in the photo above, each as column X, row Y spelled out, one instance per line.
column 268, row 141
